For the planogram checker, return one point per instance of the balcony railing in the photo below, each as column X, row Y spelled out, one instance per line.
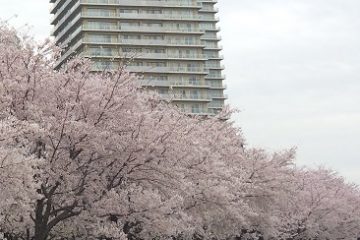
column 159, row 42
column 135, row 28
column 216, row 84
column 55, row 5
column 150, row 69
column 65, row 17
column 217, row 76
column 207, row 8
column 164, row 69
column 214, row 56
column 172, row 83
column 140, row 42
column 157, row 3
column 112, row 54
column 61, row 10
column 211, row 18
column 160, row 16
column 99, row 66
column 215, row 105
column 68, row 53
column 186, row 97
column 215, row 29
column 214, row 66
column 65, row 30
column 70, row 37
column 219, row 96
column 169, row 56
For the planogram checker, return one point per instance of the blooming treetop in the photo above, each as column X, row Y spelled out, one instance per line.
column 99, row 151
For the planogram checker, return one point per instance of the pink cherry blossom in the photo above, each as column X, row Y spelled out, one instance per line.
column 95, row 156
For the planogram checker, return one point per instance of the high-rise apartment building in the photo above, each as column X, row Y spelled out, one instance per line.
column 172, row 44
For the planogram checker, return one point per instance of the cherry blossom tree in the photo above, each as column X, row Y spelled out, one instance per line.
column 321, row 205
column 17, row 170
column 94, row 156
column 238, row 199
column 111, row 151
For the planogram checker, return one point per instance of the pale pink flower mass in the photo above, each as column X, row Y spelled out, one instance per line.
column 95, row 156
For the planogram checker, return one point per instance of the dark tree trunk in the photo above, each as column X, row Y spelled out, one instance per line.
column 41, row 228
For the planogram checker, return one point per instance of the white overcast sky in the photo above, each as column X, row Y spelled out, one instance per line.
column 292, row 67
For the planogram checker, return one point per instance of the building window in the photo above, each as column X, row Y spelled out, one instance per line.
column 195, row 108
column 103, row 38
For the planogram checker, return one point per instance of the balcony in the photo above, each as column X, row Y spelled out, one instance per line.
column 136, row 28
column 215, row 38
column 210, row 29
column 100, row 66
column 68, row 53
column 172, row 83
column 154, row 83
column 189, row 84
column 215, row 57
column 169, row 42
column 177, row 97
column 219, row 96
column 214, row 48
column 217, row 85
column 215, row 66
column 55, row 5
column 157, row 16
column 61, row 11
column 117, row 54
column 211, row 18
column 66, row 30
column 150, row 3
column 144, row 42
column 153, row 69
column 216, row 77
column 64, row 18
column 215, row 105
column 209, row 1
column 196, row 111
column 170, row 56
column 211, row 9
